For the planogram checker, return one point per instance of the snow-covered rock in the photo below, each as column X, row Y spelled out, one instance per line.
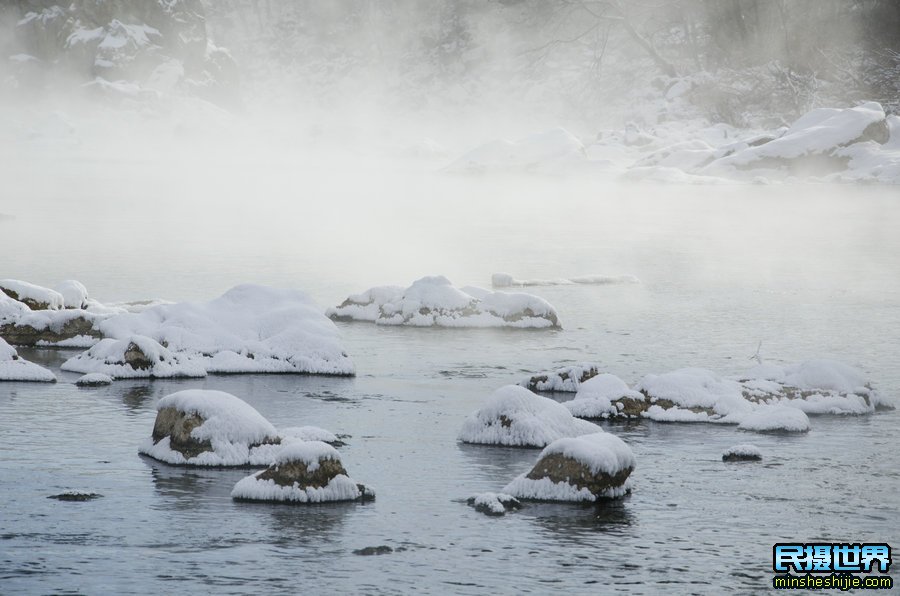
column 135, row 357
column 434, row 302
column 565, row 379
column 74, row 294
column 505, row 280
column 775, row 419
column 552, row 150
column 517, row 417
column 249, row 329
column 818, row 386
column 15, row 368
column 585, row 468
column 304, row 472
column 695, row 390
column 34, row 296
column 494, row 504
column 595, row 397
column 210, row 428
column 742, row 452
column 817, row 135
column 93, row 380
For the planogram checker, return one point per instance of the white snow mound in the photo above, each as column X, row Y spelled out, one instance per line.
column 517, row 417
column 15, row 368
column 249, row 329
column 111, row 357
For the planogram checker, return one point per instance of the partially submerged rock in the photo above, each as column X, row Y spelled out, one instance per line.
column 434, row 302
column 303, row 472
column 566, row 378
column 94, row 380
column 15, row 368
column 494, row 504
column 210, row 428
column 134, row 357
column 586, row 468
column 743, row 452
column 517, row 417
column 75, row 495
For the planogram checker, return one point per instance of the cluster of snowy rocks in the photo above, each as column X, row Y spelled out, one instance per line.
column 434, row 302
column 213, row 428
column 767, row 397
column 249, row 329
column 856, row 144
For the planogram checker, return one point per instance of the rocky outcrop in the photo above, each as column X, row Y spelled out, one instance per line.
column 61, row 328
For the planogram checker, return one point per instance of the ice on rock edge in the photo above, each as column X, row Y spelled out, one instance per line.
column 434, row 302
column 515, row 416
column 15, row 368
column 603, row 460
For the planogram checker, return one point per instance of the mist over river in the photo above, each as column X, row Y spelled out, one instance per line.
column 809, row 270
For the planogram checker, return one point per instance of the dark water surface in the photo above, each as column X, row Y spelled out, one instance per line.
column 810, row 271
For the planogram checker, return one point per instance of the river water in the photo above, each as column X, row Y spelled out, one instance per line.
column 809, row 270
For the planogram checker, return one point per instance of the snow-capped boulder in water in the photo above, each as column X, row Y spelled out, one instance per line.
column 15, row 368
column 210, row 428
column 517, row 417
column 596, row 396
column 94, row 380
column 434, row 302
column 304, row 472
column 564, row 379
column 586, row 468
column 135, row 357
column 249, row 329
column 33, row 296
column 494, row 504
column 812, row 141
column 552, row 150
column 743, row 452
